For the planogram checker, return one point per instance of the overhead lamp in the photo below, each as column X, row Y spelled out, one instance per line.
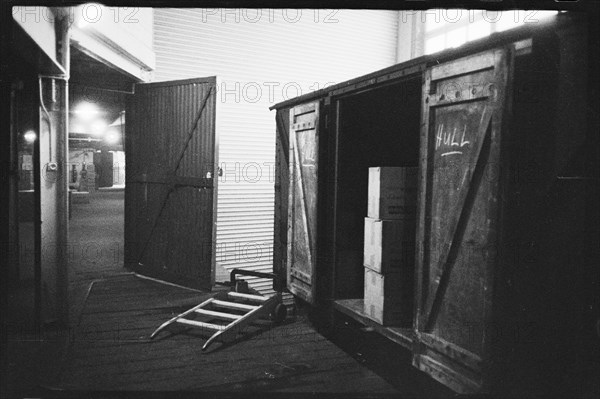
column 112, row 137
column 86, row 110
column 98, row 127
column 30, row 136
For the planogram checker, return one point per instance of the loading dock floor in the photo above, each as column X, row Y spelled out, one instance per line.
column 89, row 357
column 110, row 350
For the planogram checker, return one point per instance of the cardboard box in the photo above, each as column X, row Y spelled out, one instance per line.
column 392, row 192
column 388, row 298
column 389, row 245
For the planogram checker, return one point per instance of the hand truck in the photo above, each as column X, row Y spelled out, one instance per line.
column 236, row 306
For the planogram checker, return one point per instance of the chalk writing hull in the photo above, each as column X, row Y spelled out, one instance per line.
column 462, row 111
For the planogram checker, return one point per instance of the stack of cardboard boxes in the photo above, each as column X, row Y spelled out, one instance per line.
column 390, row 245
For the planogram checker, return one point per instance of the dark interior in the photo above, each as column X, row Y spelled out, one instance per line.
column 543, row 246
column 377, row 128
column 24, row 194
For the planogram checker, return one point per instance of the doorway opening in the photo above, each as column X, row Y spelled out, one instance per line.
column 96, row 172
column 377, row 128
column 25, row 286
column 161, row 225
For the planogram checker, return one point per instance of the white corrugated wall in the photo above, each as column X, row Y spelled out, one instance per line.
column 262, row 57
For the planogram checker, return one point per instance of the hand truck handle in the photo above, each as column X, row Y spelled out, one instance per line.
column 243, row 272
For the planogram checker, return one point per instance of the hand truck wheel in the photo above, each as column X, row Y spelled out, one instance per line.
column 279, row 313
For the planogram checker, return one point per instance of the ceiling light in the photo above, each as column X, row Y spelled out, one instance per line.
column 30, row 136
column 112, row 137
column 98, row 127
column 86, row 110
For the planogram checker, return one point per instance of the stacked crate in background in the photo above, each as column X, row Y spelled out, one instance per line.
column 390, row 245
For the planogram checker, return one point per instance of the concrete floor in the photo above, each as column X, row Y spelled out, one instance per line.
column 96, row 237
column 95, row 243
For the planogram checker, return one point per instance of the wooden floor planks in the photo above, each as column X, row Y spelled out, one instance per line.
column 110, row 349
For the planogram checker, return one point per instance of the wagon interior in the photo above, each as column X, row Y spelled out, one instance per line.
column 379, row 127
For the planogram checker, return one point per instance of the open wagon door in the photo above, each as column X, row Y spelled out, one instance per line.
column 463, row 109
column 171, row 189
column 302, row 204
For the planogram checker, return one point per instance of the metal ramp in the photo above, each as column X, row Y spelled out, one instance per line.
column 239, row 309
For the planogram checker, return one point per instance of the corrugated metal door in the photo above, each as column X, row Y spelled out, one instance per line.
column 170, row 196
column 263, row 57
column 302, row 204
column 463, row 108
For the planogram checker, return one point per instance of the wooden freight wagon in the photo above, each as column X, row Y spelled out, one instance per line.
column 504, row 133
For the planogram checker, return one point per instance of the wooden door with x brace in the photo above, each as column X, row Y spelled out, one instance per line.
column 171, row 189
column 464, row 109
